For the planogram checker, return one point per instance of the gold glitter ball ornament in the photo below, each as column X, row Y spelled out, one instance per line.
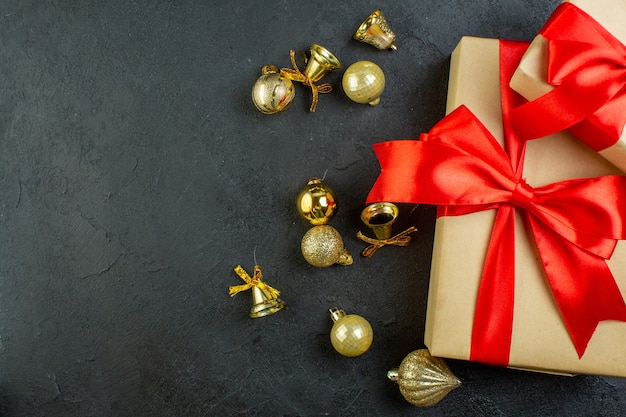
column 424, row 380
column 363, row 82
column 316, row 202
column 351, row 335
column 322, row 246
column 272, row 93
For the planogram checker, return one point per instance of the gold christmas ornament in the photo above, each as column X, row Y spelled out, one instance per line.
column 363, row 82
column 316, row 202
column 380, row 218
column 351, row 335
column 423, row 379
column 320, row 62
column 376, row 32
column 265, row 299
column 322, row 246
column 272, row 93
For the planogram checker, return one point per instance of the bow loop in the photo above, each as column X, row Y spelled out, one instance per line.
column 587, row 66
column 588, row 63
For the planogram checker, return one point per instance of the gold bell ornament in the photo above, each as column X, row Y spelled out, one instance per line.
column 376, row 32
column 319, row 63
column 351, row 334
column 363, row 82
column 316, row 202
column 380, row 217
column 272, row 93
column 424, row 380
column 265, row 299
column 322, row 246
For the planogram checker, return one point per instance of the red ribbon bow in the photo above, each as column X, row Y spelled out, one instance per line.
column 575, row 223
column 587, row 66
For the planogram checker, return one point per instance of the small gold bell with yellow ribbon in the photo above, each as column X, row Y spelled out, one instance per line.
column 265, row 299
column 424, row 380
column 376, row 31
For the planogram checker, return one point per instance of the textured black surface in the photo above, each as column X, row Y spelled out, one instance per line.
column 135, row 173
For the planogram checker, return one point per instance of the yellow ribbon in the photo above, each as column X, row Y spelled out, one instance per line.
column 401, row 239
column 296, row 75
column 255, row 281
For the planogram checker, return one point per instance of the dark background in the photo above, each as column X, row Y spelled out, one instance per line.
column 135, row 174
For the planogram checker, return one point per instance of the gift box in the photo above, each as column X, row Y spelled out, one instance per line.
column 525, row 325
column 580, row 52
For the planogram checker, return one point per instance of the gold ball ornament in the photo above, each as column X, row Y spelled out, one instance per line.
column 424, row 380
column 316, row 202
column 351, row 335
column 322, row 246
column 272, row 93
column 364, row 82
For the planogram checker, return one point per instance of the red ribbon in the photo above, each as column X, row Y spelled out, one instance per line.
column 587, row 66
column 575, row 223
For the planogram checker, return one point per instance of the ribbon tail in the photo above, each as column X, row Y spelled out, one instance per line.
column 270, row 292
column 235, row 289
column 493, row 320
column 582, row 285
column 292, row 75
column 315, row 97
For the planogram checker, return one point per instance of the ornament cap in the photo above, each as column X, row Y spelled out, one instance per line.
column 345, row 259
column 336, row 313
column 392, row 374
column 269, row 69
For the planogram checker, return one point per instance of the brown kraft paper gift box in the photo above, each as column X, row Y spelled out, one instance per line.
column 540, row 340
column 530, row 79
